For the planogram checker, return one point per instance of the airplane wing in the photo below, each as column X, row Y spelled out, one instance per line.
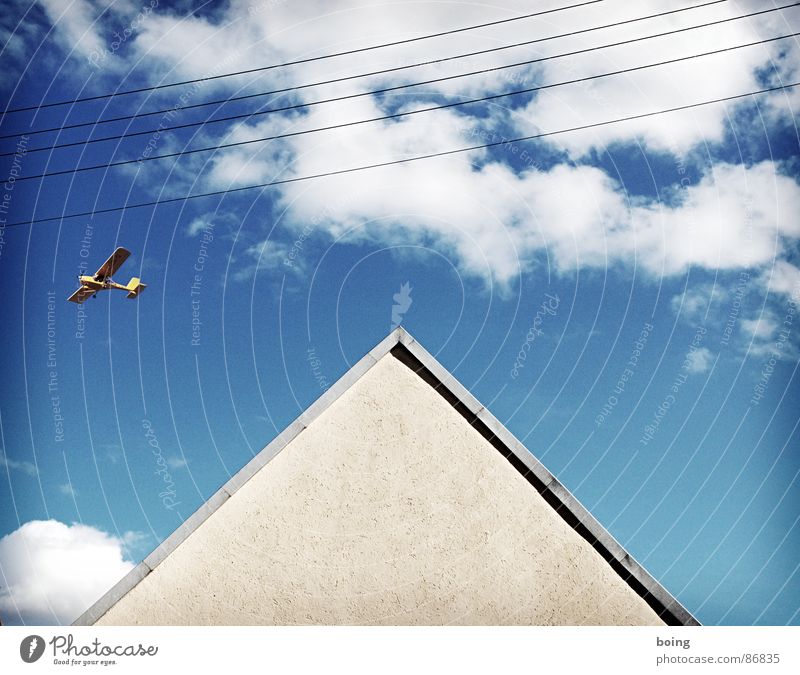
column 81, row 295
column 110, row 266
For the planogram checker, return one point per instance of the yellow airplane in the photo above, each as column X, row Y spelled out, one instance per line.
column 102, row 281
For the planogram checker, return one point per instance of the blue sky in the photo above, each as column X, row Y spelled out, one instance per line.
column 661, row 387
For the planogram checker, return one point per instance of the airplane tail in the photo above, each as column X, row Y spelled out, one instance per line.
column 134, row 287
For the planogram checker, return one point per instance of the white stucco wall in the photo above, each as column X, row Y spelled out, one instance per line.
column 389, row 509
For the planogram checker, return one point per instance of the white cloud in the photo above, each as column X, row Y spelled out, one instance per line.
column 77, row 23
column 16, row 465
column 175, row 463
column 193, row 46
column 696, row 301
column 255, row 163
column 245, row 34
column 783, row 278
column 212, row 226
column 760, row 328
column 678, row 84
column 52, row 572
column 767, row 335
column 494, row 219
column 278, row 32
column 98, row 32
column 266, row 257
column 198, row 225
column 735, row 217
column 67, row 490
column 699, row 360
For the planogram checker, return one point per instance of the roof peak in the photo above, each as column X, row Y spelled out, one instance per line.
column 402, row 345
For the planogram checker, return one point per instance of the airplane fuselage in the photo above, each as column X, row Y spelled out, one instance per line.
column 99, row 284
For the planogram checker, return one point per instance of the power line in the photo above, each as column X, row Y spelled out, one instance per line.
column 385, row 90
column 405, row 160
column 400, row 114
column 231, row 99
column 311, row 59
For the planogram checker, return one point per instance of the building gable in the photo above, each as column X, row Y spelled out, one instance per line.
column 394, row 499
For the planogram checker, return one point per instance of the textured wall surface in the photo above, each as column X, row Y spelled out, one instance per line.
column 389, row 509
